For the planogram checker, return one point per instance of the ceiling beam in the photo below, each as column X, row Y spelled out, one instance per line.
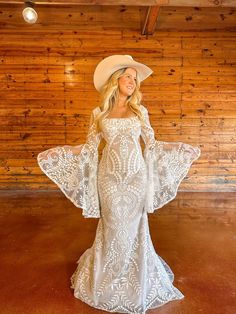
column 150, row 20
column 174, row 3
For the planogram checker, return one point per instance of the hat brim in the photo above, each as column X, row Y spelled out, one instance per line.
column 109, row 65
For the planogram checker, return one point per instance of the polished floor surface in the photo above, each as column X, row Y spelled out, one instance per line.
column 42, row 234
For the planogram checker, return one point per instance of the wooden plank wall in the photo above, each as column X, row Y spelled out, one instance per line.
column 47, row 92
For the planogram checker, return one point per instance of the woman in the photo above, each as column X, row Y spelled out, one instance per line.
column 121, row 272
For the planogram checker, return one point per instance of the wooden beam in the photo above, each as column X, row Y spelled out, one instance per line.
column 150, row 20
column 176, row 3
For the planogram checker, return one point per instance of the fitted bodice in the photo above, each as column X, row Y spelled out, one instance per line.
column 122, row 128
column 122, row 152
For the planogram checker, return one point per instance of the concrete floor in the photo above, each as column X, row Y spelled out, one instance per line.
column 43, row 234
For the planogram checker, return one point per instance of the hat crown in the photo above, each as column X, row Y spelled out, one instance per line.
column 128, row 56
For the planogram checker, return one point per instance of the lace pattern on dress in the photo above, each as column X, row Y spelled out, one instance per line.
column 167, row 164
column 74, row 170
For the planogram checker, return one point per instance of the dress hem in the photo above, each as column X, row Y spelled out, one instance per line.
column 148, row 307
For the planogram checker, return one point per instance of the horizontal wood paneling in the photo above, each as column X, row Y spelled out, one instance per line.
column 47, row 92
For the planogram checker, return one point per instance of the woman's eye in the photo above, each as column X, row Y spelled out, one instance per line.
column 129, row 76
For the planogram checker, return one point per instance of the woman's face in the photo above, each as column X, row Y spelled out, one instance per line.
column 127, row 82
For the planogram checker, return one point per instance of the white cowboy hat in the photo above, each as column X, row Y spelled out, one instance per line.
column 109, row 65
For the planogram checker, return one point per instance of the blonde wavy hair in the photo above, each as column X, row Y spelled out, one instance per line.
column 109, row 96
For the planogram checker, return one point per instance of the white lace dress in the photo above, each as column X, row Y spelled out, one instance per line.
column 121, row 272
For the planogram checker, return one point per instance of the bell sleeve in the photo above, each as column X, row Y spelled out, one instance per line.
column 167, row 164
column 74, row 170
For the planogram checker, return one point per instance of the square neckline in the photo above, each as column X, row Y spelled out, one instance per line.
column 122, row 118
